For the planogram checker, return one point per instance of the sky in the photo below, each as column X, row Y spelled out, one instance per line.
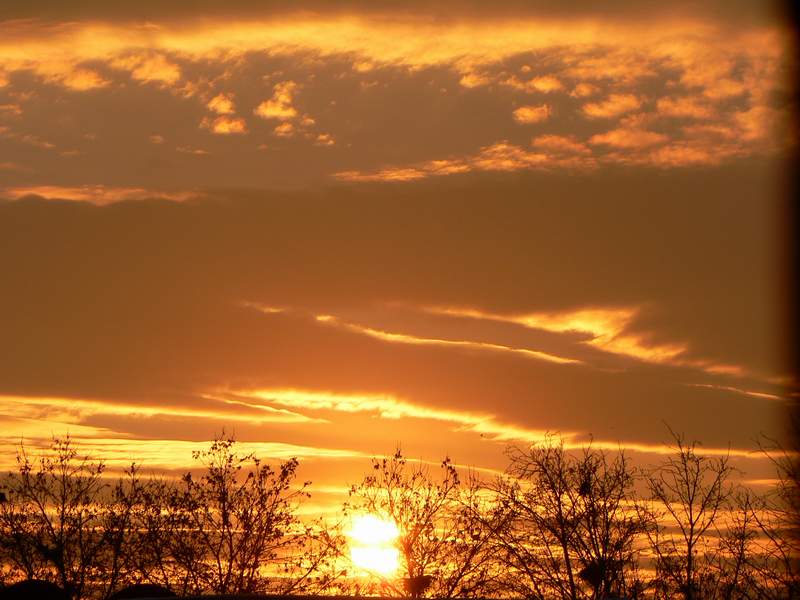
column 335, row 229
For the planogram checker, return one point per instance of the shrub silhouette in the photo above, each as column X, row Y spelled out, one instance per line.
column 33, row 589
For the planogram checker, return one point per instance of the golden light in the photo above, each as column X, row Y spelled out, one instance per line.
column 372, row 547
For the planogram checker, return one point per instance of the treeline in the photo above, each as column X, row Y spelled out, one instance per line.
column 557, row 525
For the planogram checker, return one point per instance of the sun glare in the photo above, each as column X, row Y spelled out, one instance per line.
column 372, row 547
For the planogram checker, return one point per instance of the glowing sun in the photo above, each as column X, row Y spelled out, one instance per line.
column 372, row 545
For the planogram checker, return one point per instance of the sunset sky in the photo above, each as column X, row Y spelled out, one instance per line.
column 450, row 226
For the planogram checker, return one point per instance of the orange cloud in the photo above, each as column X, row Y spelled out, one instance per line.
column 680, row 154
column 613, row 106
column 324, row 139
column 400, row 338
column 192, row 150
column 560, row 143
column 584, row 90
column 713, row 131
column 473, row 80
column 683, row 107
column 149, row 68
column 284, row 130
column 224, row 125
column 532, row 114
column 117, row 451
column 728, row 388
column 95, row 194
column 80, row 79
column 13, row 110
column 628, row 138
column 544, row 84
column 280, row 105
column 609, row 329
column 391, row 407
column 754, row 123
column 595, row 48
column 222, row 104
column 501, row 156
column 605, row 326
column 78, row 410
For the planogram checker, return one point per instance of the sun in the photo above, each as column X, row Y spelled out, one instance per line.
column 372, row 545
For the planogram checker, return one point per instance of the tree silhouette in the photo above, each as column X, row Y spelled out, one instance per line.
column 442, row 545
column 565, row 524
column 689, row 491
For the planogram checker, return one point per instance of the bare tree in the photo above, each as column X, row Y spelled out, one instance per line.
column 442, row 544
column 55, row 524
column 566, row 524
column 236, row 530
column 774, row 559
column 688, row 491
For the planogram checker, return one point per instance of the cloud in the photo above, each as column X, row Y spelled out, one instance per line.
column 584, row 90
column 280, row 105
column 222, row 104
column 95, row 312
column 532, row 113
column 501, row 156
column 401, row 338
column 560, row 143
column 610, row 329
column 118, row 451
column 324, row 139
column 402, row 40
column 79, row 410
column 224, row 125
column 544, row 84
column 613, row 106
column 755, row 123
column 606, row 326
column 683, row 107
column 681, row 154
column 83, row 79
column 389, row 407
column 284, row 130
column 95, row 194
column 148, row 68
column 13, row 110
column 472, row 80
column 192, row 150
column 628, row 138
column 70, row 75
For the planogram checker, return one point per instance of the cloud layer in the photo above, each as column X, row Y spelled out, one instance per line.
column 334, row 231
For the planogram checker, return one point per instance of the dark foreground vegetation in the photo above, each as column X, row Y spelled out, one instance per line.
column 561, row 525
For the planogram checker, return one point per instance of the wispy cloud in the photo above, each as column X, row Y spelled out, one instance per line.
column 95, row 194
column 400, row 338
column 77, row 410
column 390, row 407
column 609, row 329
